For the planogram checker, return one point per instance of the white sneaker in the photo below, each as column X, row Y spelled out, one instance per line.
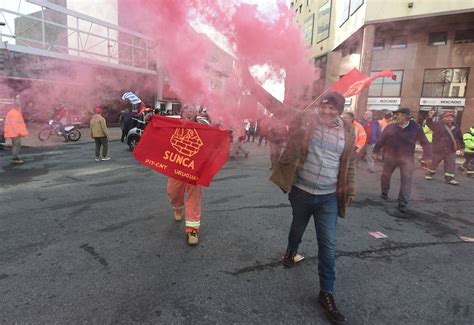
column 97, row 159
column 105, row 158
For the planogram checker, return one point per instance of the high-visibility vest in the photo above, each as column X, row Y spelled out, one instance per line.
column 14, row 125
column 428, row 133
column 468, row 138
column 360, row 136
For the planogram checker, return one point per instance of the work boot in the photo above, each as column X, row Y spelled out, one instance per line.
column 326, row 300
column 452, row 181
column 178, row 215
column 193, row 238
column 384, row 196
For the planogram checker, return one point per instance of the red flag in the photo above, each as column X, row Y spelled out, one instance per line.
column 187, row 151
column 355, row 81
column 343, row 84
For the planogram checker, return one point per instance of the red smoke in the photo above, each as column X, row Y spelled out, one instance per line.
column 255, row 38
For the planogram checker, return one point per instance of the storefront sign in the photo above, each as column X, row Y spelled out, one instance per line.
column 383, row 101
column 443, row 108
column 443, row 101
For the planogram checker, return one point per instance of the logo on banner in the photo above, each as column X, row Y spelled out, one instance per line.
column 187, row 143
column 354, row 89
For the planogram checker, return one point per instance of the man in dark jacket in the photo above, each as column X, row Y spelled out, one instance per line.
column 373, row 131
column 447, row 139
column 125, row 123
column 317, row 168
column 398, row 141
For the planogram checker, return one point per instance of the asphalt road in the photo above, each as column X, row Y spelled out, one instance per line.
column 87, row 242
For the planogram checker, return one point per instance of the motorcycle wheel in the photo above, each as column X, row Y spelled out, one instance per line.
column 44, row 134
column 74, row 135
column 132, row 141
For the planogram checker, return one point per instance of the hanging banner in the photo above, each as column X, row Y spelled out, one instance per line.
column 187, row 151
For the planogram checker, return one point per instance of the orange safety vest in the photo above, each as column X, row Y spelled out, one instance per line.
column 14, row 125
column 360, row 135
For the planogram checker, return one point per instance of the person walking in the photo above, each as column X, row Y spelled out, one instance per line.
column 398, row 142
column 359, row 132
column 189, row 207
column 125, row 123
column 447, row 139
column 373, row 131
column 100, row 134
column 15, row 129
column 387, row 119
column 317, row 169
column 468, row 165
column 277, row 135
column 238, row 145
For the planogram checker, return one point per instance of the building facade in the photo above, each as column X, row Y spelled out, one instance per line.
column 429, row 45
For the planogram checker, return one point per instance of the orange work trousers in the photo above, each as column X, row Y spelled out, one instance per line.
column 192, row 206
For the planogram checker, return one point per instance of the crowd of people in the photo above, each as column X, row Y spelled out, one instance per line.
column 313, row 155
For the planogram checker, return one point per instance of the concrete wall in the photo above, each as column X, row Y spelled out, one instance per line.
column 383, row 10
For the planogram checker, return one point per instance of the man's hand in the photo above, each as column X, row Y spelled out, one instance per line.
column 349, row 200
column 428, row 162
column 375, row 156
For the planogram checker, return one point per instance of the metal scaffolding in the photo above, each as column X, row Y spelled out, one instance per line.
column 55, row 31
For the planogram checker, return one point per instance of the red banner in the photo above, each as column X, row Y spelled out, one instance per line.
column 187, row 151
column 355, row 81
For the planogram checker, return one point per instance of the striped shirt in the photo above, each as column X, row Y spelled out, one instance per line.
column 318, row 175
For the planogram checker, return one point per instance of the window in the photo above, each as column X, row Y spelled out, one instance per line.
column 379, row 44
column 324, row 20
column 399, row 42
column 445, row 82
column 308, row 30
column 356, row 4
column 464, row 36
column 343, row 11
column 386, row 87
column 321, row 60
column 353, row 48
column 347, row 8
column 437, row 39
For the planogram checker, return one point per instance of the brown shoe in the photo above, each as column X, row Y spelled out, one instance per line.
column 326, row 300
column 193, row 238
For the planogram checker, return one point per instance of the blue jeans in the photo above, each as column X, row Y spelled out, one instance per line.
column 324, row 208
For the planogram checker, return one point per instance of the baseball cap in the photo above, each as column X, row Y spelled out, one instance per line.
column 403, row 110
column 335, row 99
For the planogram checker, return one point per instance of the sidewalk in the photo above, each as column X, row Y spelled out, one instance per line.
column 32, row 140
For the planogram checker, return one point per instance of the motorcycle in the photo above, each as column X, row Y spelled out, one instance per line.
column 70, row 133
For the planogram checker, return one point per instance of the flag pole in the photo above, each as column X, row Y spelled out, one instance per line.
column 314, row 101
